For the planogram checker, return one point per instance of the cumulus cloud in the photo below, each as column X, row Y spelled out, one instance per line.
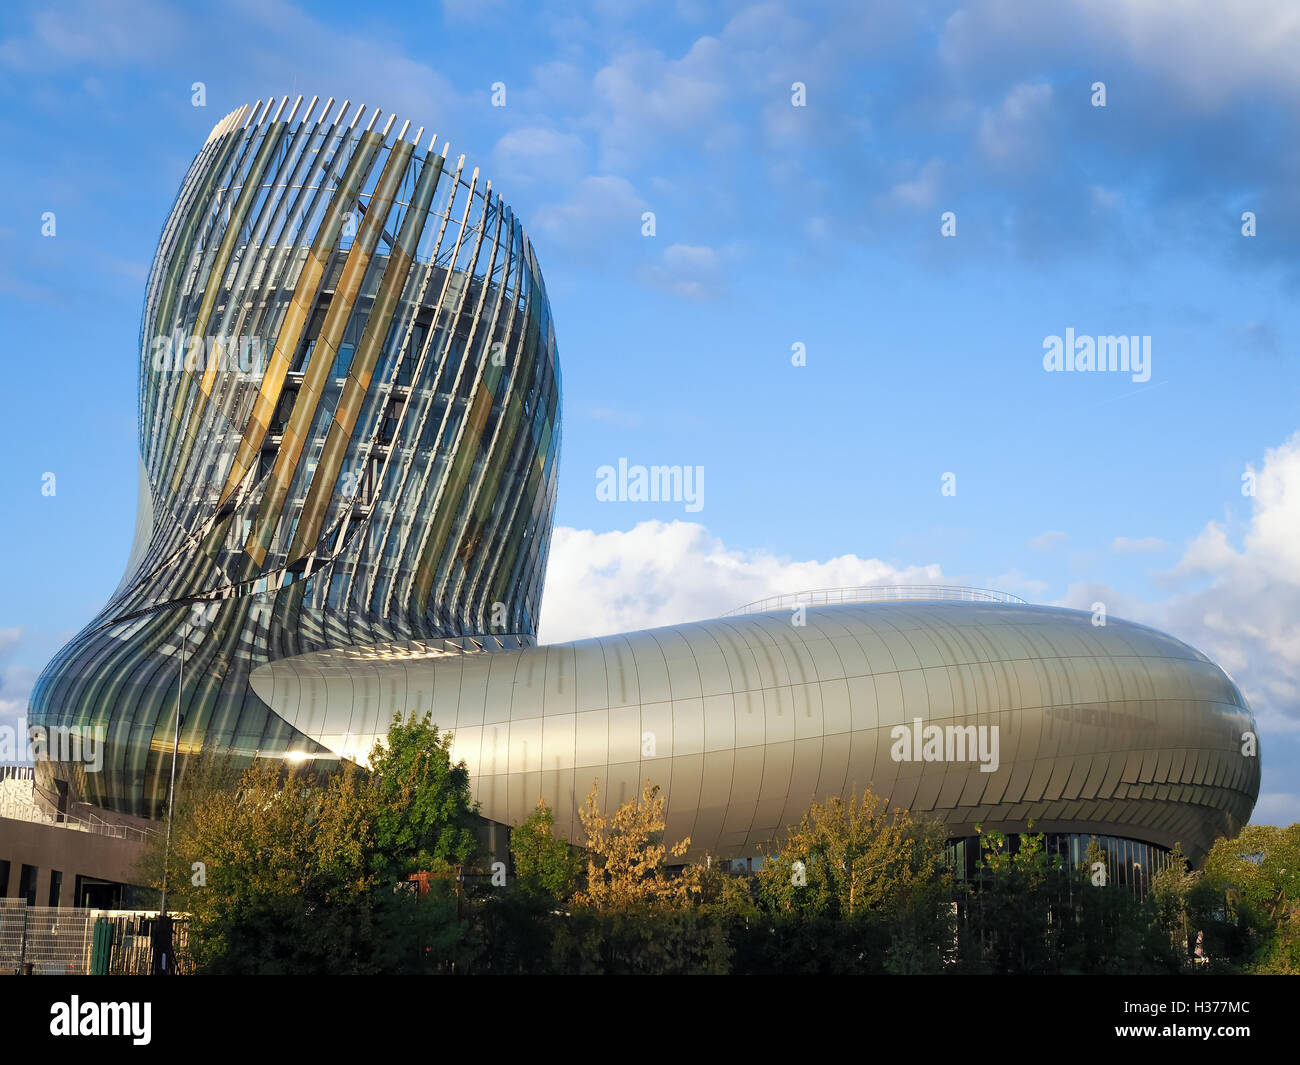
column 1239, row 605
column 691, row 271
column 921, row 189
column 1011, row 135
column 1206, row 51
column 644, row 97
column 88, row 32
column 1047, row 541
column 1248, row 616
column 15, row 680
column 363, row 67
column 1123, row 545
column 538, row 152
column 1234, row 597
column 665, row 573
column 599, row 208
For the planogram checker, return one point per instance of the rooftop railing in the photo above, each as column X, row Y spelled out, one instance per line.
column 876, row 593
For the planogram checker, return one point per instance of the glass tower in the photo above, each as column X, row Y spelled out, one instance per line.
column 349, row 432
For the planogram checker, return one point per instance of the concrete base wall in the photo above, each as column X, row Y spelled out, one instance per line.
column 71, row 852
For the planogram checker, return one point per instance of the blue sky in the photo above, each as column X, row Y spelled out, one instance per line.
column 775, row 225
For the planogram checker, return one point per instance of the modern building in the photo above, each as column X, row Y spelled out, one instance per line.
column 349, row 431
column 345, row 514
column 1115, row 730
column 52, row 856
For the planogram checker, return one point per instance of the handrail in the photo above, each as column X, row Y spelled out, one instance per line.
column 874, row 593
column 24, row 807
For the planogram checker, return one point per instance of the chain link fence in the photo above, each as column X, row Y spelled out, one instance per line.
column 50, row 940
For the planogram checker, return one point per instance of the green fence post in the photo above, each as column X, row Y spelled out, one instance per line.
column 102, row 947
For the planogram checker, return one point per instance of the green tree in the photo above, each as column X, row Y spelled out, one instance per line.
column 426, row 809
column 855, row 887
column 849, row 857
column 306, row 874
column 1009, row 905
column 544, row 864
column 1171, row 890
column 205, row 776
column 1248, row 900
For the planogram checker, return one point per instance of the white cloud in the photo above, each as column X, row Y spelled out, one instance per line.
column 537, row 152
column 311, row 55
column 1206, row 52
column 1047, row 541
column 15, row 681
column 691, row 271
column 599, row 210
column 643, row 97
column 1123, row 545
column 557, row 86
column 88, row 32
column 1239, row 606
column 922, row 189
column 15, row 690
column 665, row 573
column 1248, row 617
column 1010, row 136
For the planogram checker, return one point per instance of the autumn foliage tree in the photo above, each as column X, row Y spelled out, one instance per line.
column 626, row 856
column 854, row 856
column 635, row 914
column 856, row 887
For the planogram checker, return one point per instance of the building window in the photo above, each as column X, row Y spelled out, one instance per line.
column 56, row 886
column 27, row 884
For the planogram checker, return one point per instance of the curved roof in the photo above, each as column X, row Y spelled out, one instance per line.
column 746, row 720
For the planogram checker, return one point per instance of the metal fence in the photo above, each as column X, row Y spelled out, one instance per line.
column 61, row 940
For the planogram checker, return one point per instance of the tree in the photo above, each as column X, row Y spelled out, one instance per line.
column 427, row 812
column 855, row 887
column 1171, row 890
column 1248, row 901
column 544, row 864
column 626, row 856
column 1009, row 905
column 844, row 858
column 304, row 874
column 634, row 915
column 205, row 776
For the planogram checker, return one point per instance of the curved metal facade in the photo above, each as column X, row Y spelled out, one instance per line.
column 745, row 721
column 349, row 432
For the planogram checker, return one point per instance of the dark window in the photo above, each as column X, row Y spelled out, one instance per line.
column 27, row 884
column 56, row 886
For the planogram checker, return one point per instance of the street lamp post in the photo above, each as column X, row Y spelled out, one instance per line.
column 163, row 939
